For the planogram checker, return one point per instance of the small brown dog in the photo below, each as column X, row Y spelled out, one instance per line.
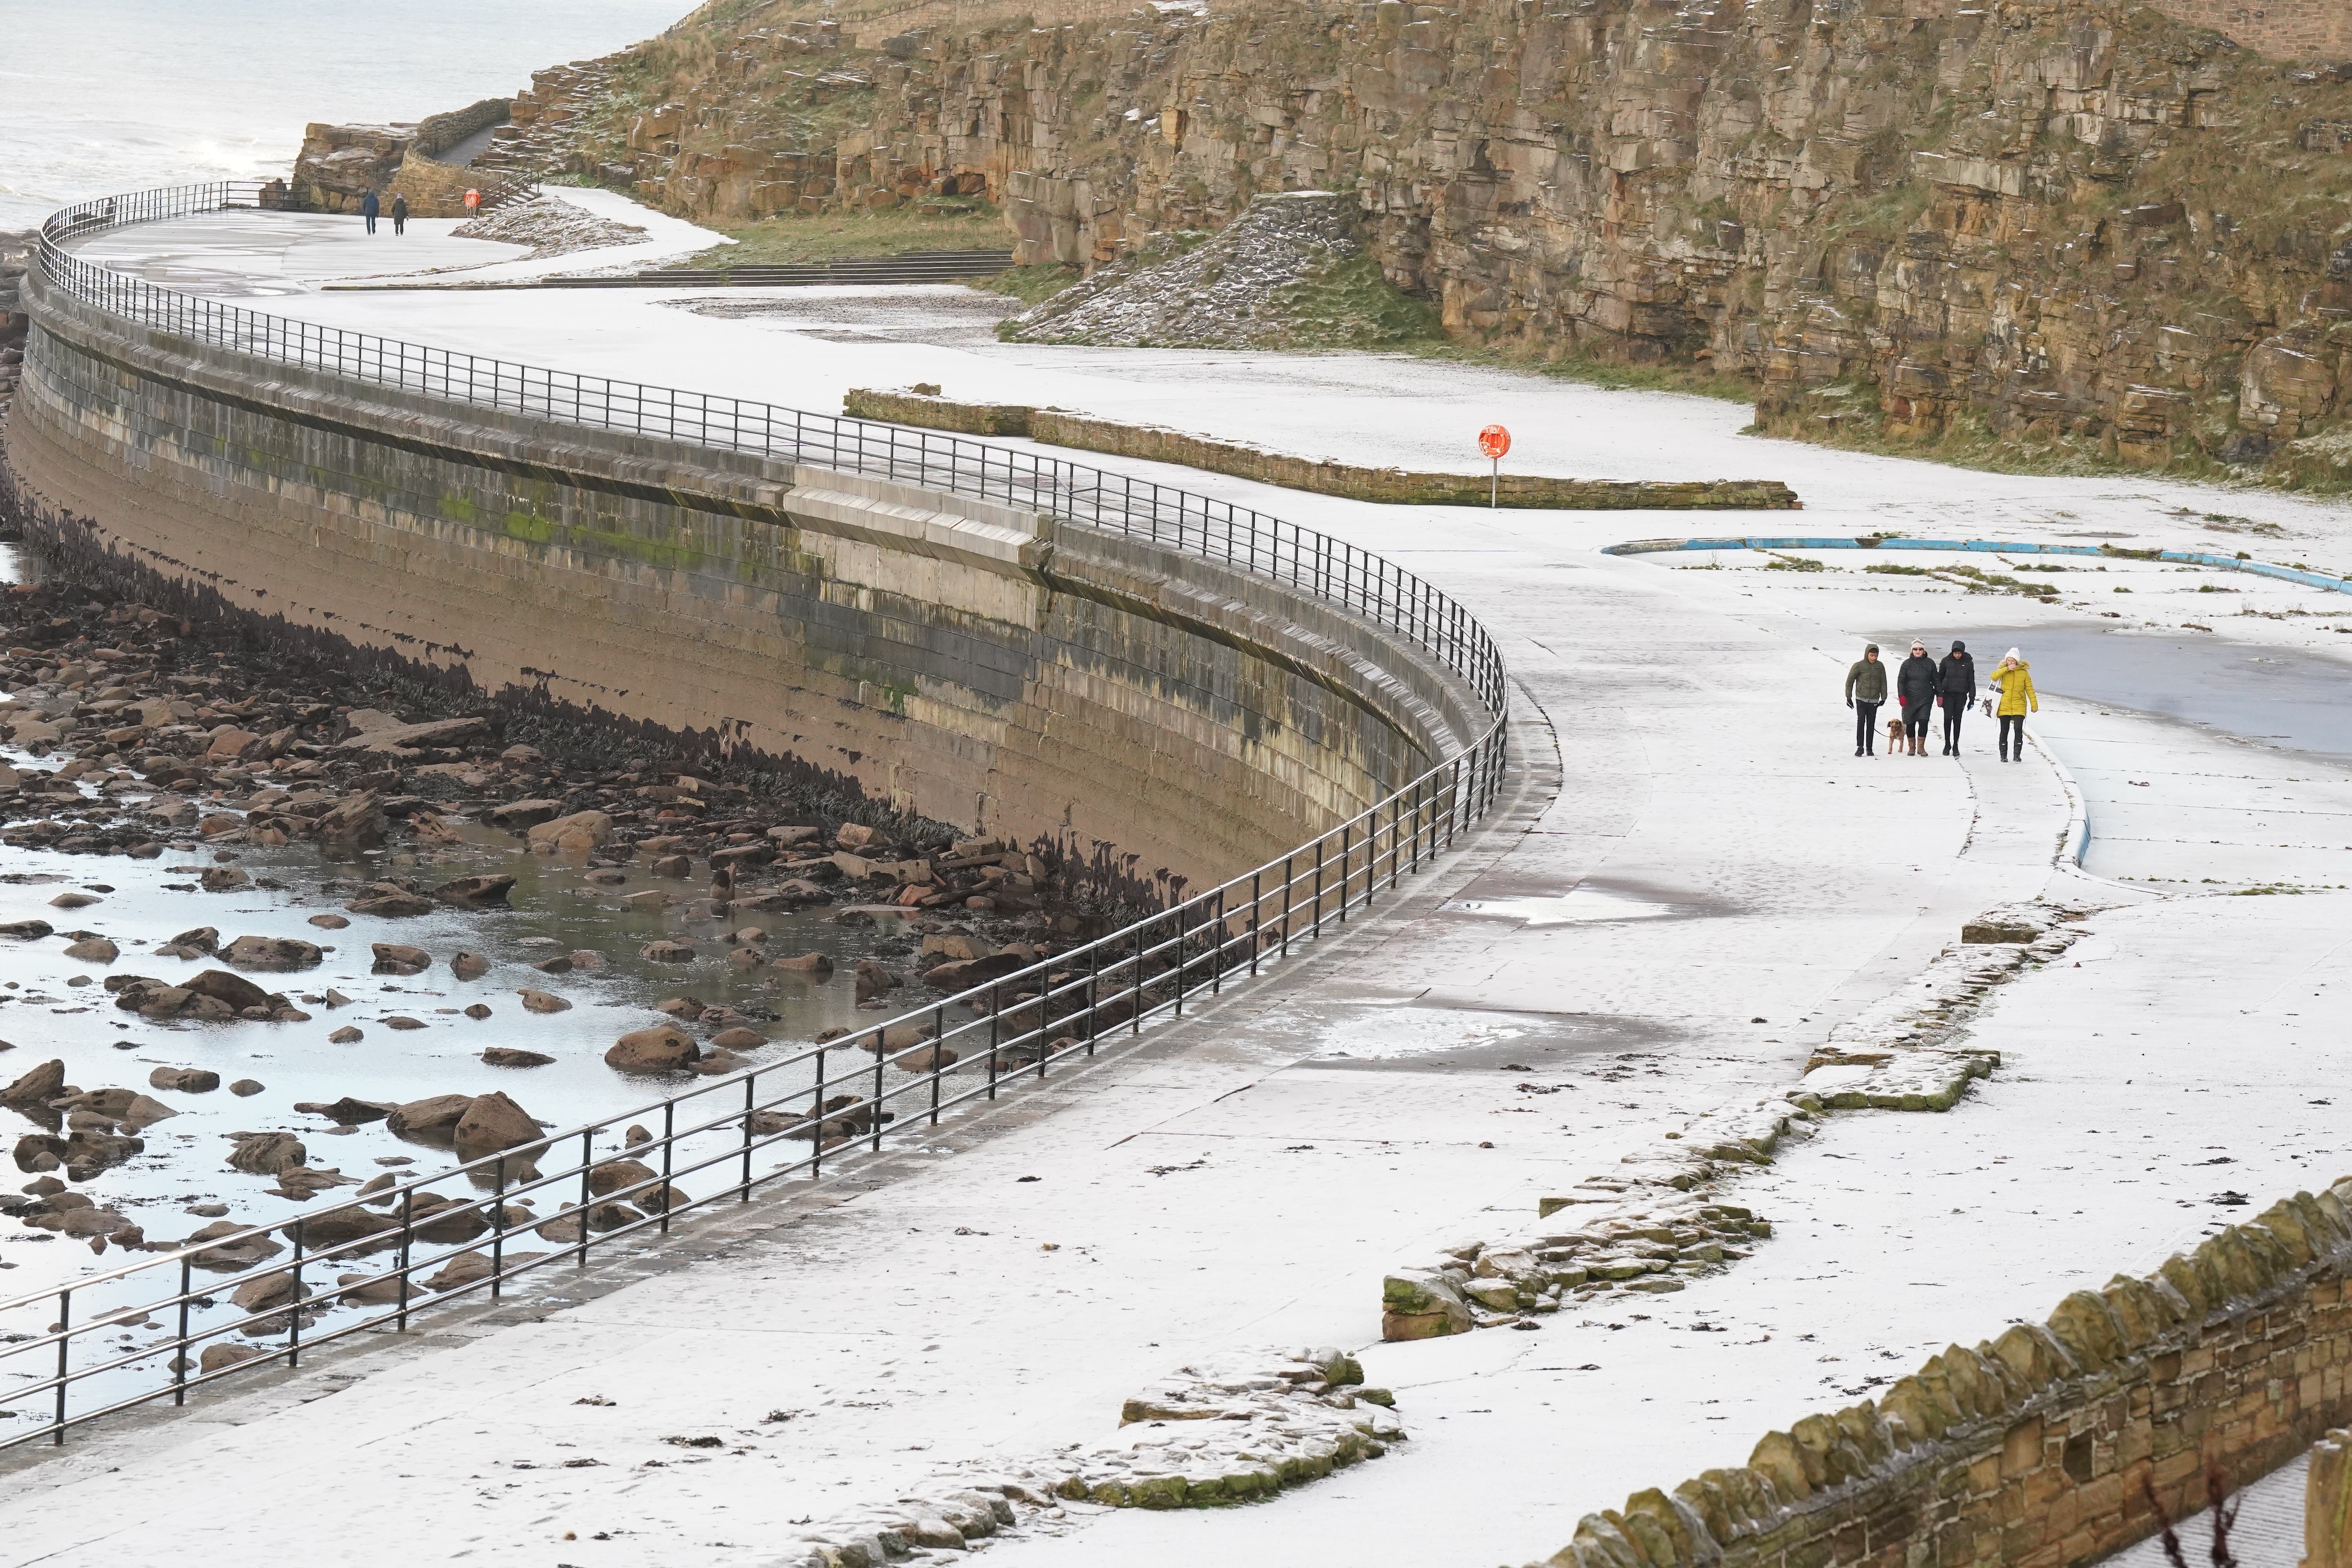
column 1895, row 737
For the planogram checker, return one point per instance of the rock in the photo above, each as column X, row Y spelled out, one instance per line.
column 559, row 964
column 336, row 998
column 233, row 990
column 667, row 952
column 329, row 922
column 665, row 1048
column 677, row 867
column 437, row 1113
column 247, row 1087
column 338, row 1228
column 511, row 1056
column 873, row 980
column 739, row 1039
column 387, row 899
column 854, row 836
column 28, row 931
column 469, row 966
column 956, row 974
column 402, row 1021
column 348, row 1111
column 355, row 822
column 279, row 954
column 542, row 1002
column 36, row 1087
column 185, row 1080
column 614, row 1175
column 433, row 733
column 1988, row 933
column 74, row 900
column 573, row 835
column 268, row 1153
column 475, row 892
column 814, row 965
column 493, row 1123
column 465, row 1268
column 349, row 1035
column 204, row 939
column 478, row 1011
column 516, row 815
column 224, row 879
column 392, row 958
column 586, row 961
column 218, row 1358
column 93, row 950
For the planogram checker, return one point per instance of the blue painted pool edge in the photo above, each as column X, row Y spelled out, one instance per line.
column 1990, row 546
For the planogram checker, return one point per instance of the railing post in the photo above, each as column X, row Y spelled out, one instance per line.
column 939, row 1043
column 1257, row 897
column 750, row 1097
column 879, row 1041
column 587, row 1161
column 499, row 1228
column 817, row 1123
column 65, row 1332
column 1217, row 948
column 669, row 1133
column 407, row 1242
column 180, row 1361
column 294, row 1310
column 1347, row 870
column 1093, row 993
column 1183, row 964
column 995, row 1032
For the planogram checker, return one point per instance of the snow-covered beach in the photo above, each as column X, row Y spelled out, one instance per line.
column 1694, row 888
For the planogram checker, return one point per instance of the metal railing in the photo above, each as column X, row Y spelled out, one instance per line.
column 267, row 1294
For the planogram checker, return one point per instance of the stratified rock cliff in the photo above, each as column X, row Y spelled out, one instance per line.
column 2055, row 227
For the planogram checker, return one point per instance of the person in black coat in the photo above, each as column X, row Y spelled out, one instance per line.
column 368, row 207
column 1956, row 687
column 1915, row 687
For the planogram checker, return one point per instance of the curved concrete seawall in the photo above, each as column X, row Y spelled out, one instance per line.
column 979, row 664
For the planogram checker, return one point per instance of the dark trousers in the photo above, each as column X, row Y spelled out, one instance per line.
column 1865, row 727
column 2012, row 723
column 1914, row 721
column 399, row 223
column 371, row 223
column 1953, row 714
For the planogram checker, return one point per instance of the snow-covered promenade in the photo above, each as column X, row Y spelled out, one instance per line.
column 1693, row 884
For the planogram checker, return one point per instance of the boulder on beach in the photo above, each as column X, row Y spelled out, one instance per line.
column 469, row 966
column 665, row 1048
column 185, row 1080
column 389, row 898
column 279, row 954
column 475, row 892
column 492, row 1122
column 394, row 958
column 542, row 1001
column 513, row 1057
column 434, row 1114
column 234, row 990
column 573, row 835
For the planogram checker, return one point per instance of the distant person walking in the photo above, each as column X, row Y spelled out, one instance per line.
column 399, row 213
column 1914, row 684
column 1865, row 688
column 1956, row 687
column 368, row 207
column 2014, row 682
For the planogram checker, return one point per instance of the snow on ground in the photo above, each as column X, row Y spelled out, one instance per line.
column 1693, row 883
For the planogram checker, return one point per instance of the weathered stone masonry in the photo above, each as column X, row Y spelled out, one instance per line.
column 2044, row 1448
column 975, row 664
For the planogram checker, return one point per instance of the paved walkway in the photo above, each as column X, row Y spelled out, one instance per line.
column 1695, row 882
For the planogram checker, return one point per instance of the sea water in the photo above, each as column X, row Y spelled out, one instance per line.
column 101, row 96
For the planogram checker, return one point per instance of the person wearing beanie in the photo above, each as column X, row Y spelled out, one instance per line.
column 1914, row 683
column 1865, row 688
column 1956, row 687
column 2014, row 682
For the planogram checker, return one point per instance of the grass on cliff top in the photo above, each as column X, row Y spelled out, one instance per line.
column 1031, row 285
column 803, row 239
column 1610, row 375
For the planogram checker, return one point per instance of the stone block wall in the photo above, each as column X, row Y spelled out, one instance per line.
column 2290, row 29
column 979, row 666
column 1395, row 487
column 2052, row 1445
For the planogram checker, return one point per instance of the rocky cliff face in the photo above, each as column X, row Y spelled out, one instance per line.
column 2075, row 228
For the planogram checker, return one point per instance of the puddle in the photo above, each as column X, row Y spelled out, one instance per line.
column 1586, row 905
column 2280, row 696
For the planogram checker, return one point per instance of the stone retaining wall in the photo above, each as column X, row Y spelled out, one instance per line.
column 978, row 665
column 2052, row 1445
column 1394, row 487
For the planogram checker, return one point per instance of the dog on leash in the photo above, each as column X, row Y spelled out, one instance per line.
column 1893, row 737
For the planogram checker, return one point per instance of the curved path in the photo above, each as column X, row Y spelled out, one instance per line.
column 1694, row 882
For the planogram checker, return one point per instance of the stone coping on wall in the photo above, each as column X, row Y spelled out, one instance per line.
column 2052, row 1445
column 1394, row 487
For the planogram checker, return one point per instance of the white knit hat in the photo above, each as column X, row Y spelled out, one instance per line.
column 2012, row 653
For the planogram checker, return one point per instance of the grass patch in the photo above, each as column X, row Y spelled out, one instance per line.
column 1349, row 304
column 1899, row 571
column 1793, row 564
column 1031, row 285
column 801, row 239
column 1610, row 375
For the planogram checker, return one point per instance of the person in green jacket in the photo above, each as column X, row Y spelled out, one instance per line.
column 1865, row 688
column 2014, row 682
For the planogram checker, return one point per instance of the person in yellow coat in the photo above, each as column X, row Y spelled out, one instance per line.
column 2014, row 682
